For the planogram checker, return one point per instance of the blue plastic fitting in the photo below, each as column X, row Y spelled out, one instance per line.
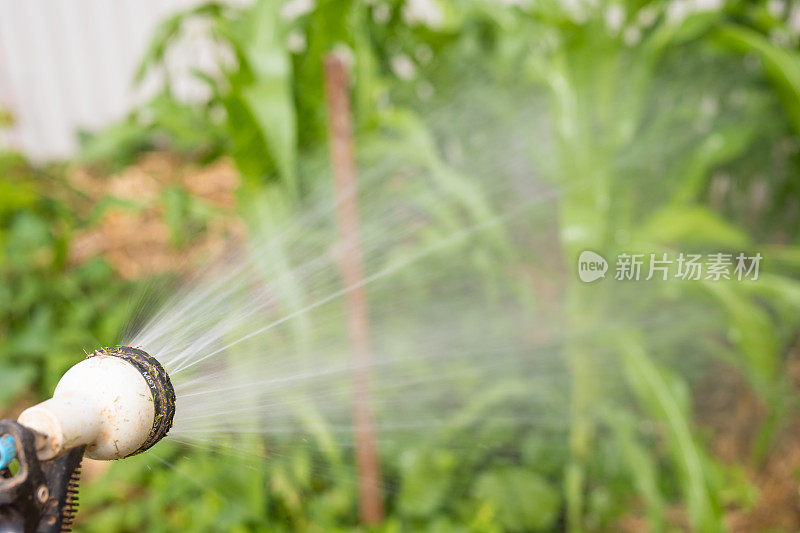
column 8, row 450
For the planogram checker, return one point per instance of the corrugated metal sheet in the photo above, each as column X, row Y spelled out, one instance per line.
column 69, row 65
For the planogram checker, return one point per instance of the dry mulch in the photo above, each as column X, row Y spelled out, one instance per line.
column 136, row 241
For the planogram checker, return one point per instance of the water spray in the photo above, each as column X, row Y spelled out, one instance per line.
column 117, row 402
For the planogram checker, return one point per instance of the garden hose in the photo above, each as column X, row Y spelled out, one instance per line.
column 117, row 402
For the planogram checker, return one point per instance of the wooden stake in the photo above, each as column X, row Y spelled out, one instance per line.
column 343, row 164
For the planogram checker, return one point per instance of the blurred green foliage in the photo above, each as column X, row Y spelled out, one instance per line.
column 641, row 179
column 50, row 312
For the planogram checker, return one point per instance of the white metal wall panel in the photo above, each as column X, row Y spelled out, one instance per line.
column 67, row 65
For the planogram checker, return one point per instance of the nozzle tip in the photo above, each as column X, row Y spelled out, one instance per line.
column 160, row 387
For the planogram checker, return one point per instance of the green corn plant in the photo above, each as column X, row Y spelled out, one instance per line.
column 600, row 87
column 667, row 400
column 592, row 125
column 254, row 92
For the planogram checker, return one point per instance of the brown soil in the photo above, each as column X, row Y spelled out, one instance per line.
column 734, row 414
column 728, row 410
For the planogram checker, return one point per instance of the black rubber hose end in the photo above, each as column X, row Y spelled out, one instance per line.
column 160, row 386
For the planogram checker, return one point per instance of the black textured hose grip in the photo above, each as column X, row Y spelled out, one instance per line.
column 160, row 387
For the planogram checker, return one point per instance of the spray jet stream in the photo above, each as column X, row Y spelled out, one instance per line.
column 117, row 402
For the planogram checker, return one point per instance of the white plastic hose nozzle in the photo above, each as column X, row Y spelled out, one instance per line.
column 117, row 402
